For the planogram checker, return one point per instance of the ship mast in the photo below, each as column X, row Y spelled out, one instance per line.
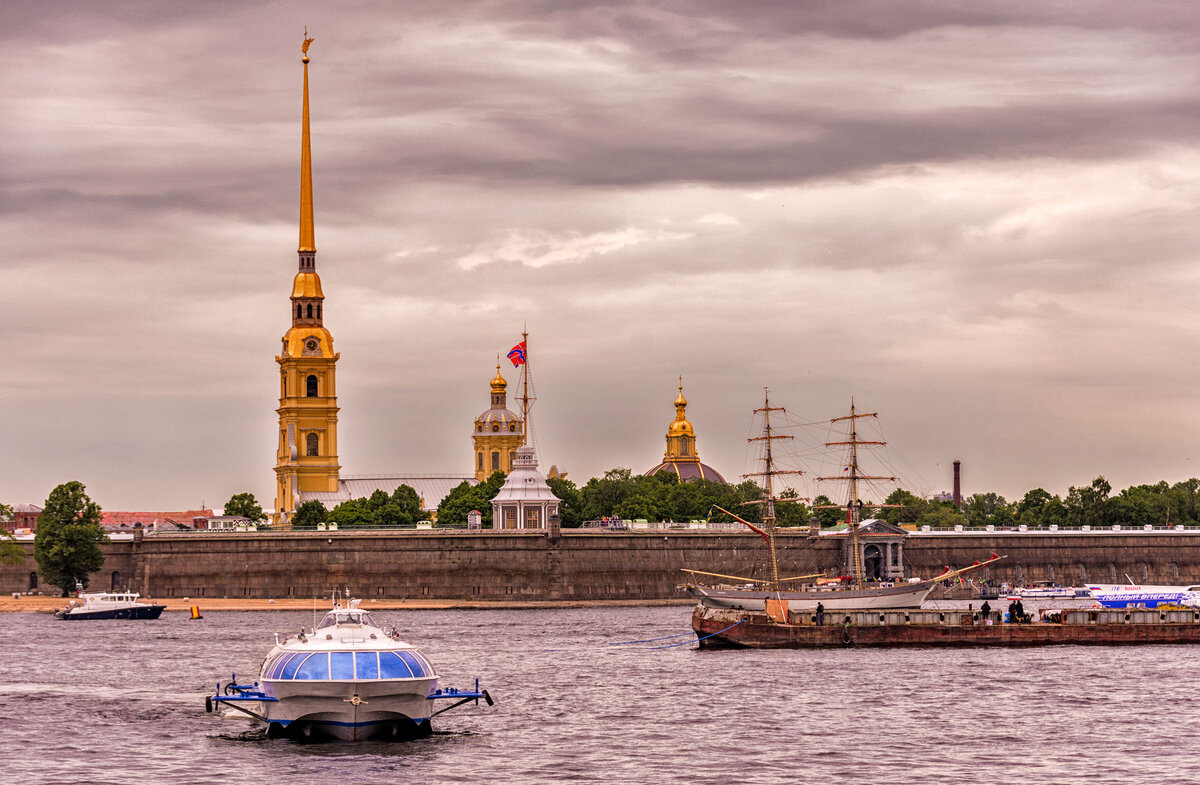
column 851, row 474
column 769, row 472
column 525, row 399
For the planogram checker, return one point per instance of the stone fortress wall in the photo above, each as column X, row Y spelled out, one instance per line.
column 580, row 565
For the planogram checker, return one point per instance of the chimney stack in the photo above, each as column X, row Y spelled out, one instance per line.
column 958, row 484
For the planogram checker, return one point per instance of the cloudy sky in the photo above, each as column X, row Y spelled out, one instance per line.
column 979, row 220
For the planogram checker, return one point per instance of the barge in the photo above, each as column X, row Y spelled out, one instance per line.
column 726, row 628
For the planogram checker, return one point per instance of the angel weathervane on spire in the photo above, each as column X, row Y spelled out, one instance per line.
column 307, row 41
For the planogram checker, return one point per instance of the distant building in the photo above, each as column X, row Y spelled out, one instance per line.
column 115, row 521
column 682, row 458
column 944, row 496
column 24, row 517
column 498, row 433
column 225, row 523
column 525, row 501
column 474, row 519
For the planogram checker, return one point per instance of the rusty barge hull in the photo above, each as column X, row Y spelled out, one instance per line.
column 740, row 629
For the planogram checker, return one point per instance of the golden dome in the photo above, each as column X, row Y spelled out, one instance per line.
column 498, row 384
column 307, row 285
column 681, row 426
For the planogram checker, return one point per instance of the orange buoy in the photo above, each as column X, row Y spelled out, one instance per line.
column 196, row 612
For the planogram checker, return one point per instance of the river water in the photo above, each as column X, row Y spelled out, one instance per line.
column 123, row 702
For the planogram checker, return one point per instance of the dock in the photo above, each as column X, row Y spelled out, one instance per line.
column 726, row 628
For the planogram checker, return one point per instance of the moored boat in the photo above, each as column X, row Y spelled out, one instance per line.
column 1130, row 595
column 347, row 679
column 107, row 605
column 723, row 628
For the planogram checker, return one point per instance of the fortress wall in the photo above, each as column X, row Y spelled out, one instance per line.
column 580, row 565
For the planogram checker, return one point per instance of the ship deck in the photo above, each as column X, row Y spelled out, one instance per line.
column 724, row 628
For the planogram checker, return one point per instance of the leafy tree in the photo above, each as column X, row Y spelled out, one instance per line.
column 982, row 509
column 68, row 537
column 828, row 513
column 1089, row 505
column 939, row 514
column 1028, row 511
column 309, row 514
column 910, row 510
column 246, row 505
column 10, row 551
column 464, row 498
column 791, row 513
column 570, row 511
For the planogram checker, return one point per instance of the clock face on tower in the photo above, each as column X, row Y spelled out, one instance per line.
column 312, row 346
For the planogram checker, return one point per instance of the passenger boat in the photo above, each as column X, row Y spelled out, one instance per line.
column 1130, row 595
column 849, row 591
column 348, row 679
column 1046, row 592
column 107, row 605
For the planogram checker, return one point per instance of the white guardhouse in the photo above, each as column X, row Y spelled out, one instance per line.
column 525, row 501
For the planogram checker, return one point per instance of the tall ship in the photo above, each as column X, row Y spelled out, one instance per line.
column 850, row 589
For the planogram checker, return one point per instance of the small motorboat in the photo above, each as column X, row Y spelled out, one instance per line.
column 107, row 605
column 348, row 679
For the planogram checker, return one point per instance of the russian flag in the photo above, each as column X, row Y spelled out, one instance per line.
column 517, row 354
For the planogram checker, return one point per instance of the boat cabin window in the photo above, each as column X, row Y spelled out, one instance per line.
column 346, row 617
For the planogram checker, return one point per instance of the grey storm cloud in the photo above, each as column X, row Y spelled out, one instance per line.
column 980, row 220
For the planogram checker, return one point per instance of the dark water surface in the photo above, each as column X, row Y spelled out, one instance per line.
column 123, row 702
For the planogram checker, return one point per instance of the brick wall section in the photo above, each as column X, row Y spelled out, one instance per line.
column 584, row 566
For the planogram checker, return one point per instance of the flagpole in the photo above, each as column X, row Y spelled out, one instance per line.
column 525, row 389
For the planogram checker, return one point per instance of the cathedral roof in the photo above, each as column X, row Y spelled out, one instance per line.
column 307, row 285
column 688, row 470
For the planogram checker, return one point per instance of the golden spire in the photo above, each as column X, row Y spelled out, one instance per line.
column 680, row 402
column 307, row 233
column 499, row 385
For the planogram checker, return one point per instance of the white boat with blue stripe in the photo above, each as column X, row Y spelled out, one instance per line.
column 348, row 679
column 1131, row 595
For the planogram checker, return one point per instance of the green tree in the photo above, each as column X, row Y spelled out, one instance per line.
column 791, row 513
column 941, row 515
column 1089, row 505
column 910, row 510
column 828, row 513
column 309, row 514
column 1028, row 511
column 983, row 509
column 10, row 551
column 246, row 505
column 570, row 511
column 454, row 508
column 68, row 537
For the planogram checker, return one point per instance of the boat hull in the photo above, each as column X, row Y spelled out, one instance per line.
column 905, row 595
column 718, row 628
column 134, row 612
column 349, row 710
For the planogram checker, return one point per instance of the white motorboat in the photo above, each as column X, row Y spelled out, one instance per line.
column 348, row 679
column 1129, row 595
column 107, row 605
column 1045, row 592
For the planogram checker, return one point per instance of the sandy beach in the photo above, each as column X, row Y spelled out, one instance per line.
column 41, row 604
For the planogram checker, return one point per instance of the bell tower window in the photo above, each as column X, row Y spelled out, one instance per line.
column 312, row 386
column 495, row 461
column 299, row 311
column 310, row 310
column 313, row 444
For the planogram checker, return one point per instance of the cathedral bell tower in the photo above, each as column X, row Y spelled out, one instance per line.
column 306, row 460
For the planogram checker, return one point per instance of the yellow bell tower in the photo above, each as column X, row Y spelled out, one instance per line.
column 307, row 458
